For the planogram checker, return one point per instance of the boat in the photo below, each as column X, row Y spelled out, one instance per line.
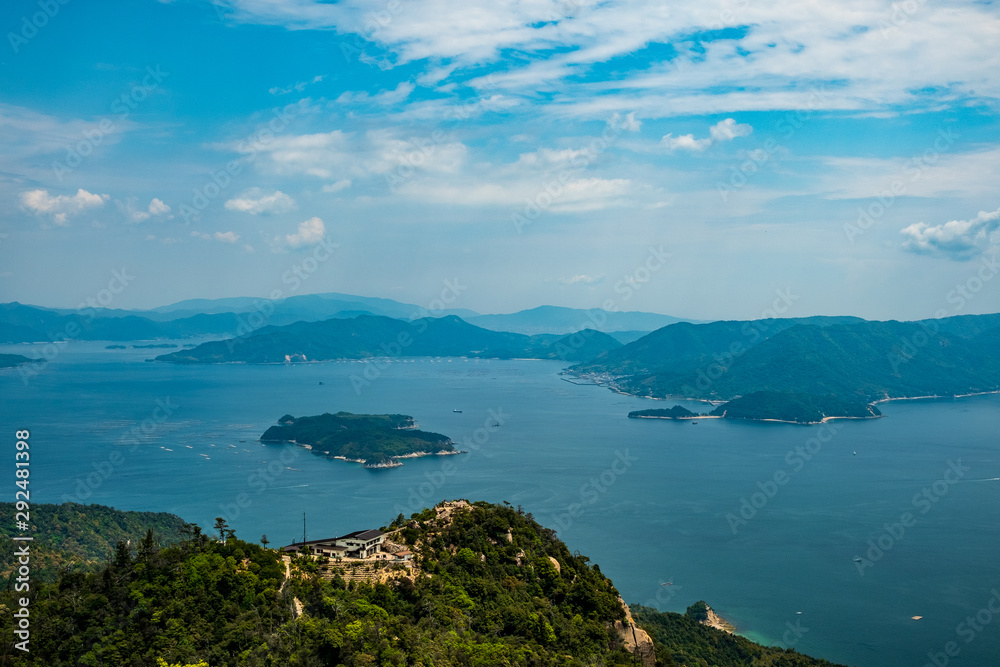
column 694, row 423
column 458, row 411
column 857, row 560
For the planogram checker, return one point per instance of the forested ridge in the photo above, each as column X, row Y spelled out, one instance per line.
column 490, row 586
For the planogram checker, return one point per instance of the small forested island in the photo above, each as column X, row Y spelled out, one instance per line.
column 676, row 412
column 774, row 406
column 12, row 360
column 377, row 441
column 486, row 586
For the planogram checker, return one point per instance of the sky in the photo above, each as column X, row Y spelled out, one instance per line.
column 710, row 160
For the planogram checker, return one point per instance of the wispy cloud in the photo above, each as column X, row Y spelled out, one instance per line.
column 296, row 87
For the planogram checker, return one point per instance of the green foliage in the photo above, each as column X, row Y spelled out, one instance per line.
column 802, row 408
column 373, row 438
column 682, row 640
column 81, row 537
column 486, row 593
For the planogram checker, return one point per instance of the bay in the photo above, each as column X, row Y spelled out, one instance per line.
column 651, row 501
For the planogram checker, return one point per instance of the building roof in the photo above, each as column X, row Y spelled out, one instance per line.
column 363, row 535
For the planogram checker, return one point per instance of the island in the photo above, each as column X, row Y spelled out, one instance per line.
column 377, row 441
column 676, row 412
column 12, row 360
column 796, row 408
column 774, row 406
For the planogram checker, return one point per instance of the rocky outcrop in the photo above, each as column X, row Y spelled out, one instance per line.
column 637, row 641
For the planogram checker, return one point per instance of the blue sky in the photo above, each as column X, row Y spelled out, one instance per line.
column 700, row 160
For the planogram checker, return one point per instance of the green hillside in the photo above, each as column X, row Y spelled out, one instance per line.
column 491, row 588
column 858, row 361
column 80, row 537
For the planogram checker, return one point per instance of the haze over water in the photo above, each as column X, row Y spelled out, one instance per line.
column 645, row 499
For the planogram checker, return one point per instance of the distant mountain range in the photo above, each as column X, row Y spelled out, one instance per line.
column 238, row 316
column 369, row 336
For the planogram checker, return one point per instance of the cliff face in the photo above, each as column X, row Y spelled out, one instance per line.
column 637, row 641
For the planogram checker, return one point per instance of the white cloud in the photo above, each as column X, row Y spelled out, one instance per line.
column 685, row 142
column 225, row 237
column 60, row 207
column 728, row 129
column 957, row 239
column 309, row 232
column 629, row 122
column 156, row 207
column 724, row 130
column 342, row 184
column 255, row 202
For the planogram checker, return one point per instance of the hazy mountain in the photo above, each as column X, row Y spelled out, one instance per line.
column 25, row 324
column 308, row 307
column 359, row 338
column 559, row 320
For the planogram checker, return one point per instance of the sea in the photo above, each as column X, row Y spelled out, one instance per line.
column 873, row 543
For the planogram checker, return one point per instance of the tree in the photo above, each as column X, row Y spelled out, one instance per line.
column 221, row 525
column 264, row 541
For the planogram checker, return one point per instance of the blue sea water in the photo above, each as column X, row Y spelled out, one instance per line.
column 651, row 501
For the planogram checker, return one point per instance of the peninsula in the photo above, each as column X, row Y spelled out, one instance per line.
column 377, row 441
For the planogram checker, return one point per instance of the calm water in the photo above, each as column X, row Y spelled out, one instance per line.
column 646, row 499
